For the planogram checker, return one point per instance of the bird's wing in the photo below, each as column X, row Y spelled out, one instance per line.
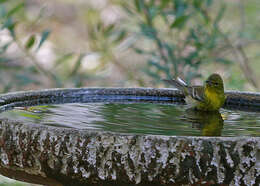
column 179, row 84
column 196, row 92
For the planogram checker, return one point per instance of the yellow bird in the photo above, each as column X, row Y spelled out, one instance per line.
column 209, row 97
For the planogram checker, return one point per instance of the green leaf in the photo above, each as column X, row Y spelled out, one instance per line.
column 150, row 3
column 152, row 74
column 197, row 3
column 145, row 52
column 153, row 12
column 30, row 42
column 77, row 65
column 15, row 9
column 180, row 21
column 5, row 47
column 127, row 9
column 109, row 29
column 224, row 61
column 170, row 47
column 63, row 59
column 3, row 1
column 205, row 16
column 180, row 7
column 10, row 25
column 164, row 3
column 120, row 36
column 138, row 50
column 44, row 36
column 139, row 5
column 147, row 31
column 192, row 55
column 220, row 15
column 158, row 66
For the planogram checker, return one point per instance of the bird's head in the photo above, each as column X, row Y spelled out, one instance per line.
column 215, row 83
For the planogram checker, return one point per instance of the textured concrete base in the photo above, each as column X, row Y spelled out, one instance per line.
column 72, row 157
column 57, row 156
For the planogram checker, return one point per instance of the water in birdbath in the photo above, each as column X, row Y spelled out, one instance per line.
column 140, row 118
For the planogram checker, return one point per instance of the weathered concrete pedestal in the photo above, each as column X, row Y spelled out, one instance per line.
column 57, row 156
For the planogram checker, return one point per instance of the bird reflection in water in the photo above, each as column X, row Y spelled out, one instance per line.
column 210, row 123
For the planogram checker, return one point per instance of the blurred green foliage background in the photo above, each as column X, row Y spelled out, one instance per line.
column 64, row 43
column 73, row 43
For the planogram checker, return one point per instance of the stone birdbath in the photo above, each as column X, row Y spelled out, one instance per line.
column 51, row 155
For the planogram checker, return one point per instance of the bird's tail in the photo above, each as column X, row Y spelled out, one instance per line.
column 179, row 84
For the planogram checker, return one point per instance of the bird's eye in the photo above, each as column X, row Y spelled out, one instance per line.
column 216, row 84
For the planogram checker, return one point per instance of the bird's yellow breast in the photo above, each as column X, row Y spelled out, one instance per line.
column 213, row 100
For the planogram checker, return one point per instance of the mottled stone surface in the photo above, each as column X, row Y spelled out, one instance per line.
column 72, row 157
column 58, row 156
